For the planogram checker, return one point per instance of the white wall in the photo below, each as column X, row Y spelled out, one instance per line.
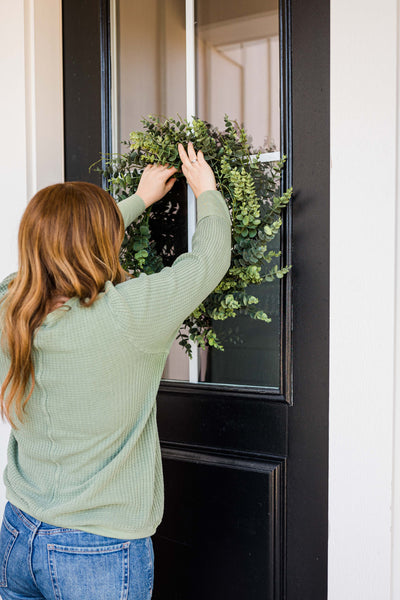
column 363, row 539
column 395, row 579
column 12, row 150
column 31, row 149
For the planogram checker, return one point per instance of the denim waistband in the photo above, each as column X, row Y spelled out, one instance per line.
column 35, row 525
column 28, row 520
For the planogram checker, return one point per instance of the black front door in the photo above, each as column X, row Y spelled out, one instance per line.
column 246, row 464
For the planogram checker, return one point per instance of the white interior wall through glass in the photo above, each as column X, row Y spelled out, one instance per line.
column 149, row 71
column 207, row 59
column 238, row 67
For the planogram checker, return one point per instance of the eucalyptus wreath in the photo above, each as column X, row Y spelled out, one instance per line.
column 251, row 190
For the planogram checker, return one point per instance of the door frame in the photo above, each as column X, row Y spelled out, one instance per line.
column 303, row 445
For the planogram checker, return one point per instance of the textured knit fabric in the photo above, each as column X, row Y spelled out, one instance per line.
column 87, row 455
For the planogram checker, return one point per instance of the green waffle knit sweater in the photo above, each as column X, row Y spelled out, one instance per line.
column 87, row 456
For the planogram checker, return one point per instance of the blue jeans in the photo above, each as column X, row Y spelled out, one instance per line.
column 44, row 562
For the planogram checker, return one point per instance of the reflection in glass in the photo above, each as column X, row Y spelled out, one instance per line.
column 238, row 66
column 151, row 64
column 151, row 41
column 238, row 75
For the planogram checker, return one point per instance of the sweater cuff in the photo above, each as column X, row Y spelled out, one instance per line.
column 211, row 203
column 131, row 208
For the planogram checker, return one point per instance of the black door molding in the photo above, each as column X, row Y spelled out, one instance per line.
column 307, row 474
column 87, row 84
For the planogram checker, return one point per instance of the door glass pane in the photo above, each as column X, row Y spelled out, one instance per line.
column 151, row 79
column 238, row 75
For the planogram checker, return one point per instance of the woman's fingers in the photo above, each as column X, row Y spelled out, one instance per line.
column 170, row 184
column 191, row 153
column 171, row 171
column 197, row 171
column 200, row 157
column 163, row 171
column 158, row 179
column 183, row 156
column 166, row 174
column 155, row 182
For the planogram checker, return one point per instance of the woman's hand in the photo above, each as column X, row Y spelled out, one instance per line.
column 197, row 171
column 155, row 182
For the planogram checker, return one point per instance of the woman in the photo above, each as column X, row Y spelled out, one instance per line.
column 83, row 348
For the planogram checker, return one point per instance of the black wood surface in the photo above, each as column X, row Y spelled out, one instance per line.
column 211, row 420
column 86, row 60
column 307, row 484
column 217, row 508
column 245, row 469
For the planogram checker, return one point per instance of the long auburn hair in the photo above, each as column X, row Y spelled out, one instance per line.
column 69, row 241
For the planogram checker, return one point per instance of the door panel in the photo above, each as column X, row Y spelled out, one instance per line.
column 212, row 419
column 220, row 540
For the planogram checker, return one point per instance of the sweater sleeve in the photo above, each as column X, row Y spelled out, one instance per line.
column 159, row 303
column 131, row 208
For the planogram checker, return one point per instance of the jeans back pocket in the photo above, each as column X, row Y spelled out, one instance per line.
column 80, row 573
column 8, row 535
